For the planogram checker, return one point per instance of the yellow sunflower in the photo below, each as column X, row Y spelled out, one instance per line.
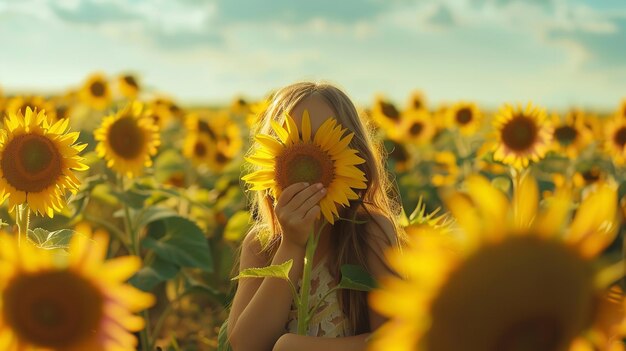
column 128, row 86
column 167, row 105
column 326, row 158
column 465, row 116
column 417, row 101
column 522, row 135
column 256, row 110
column 197, row 122
column 385, row 114
column 229, row 134
column 128, row 140
column 615, row 140
column 96, row 92
column 446, row 171
column 509, row 280
column 570, row 136
column 398, row 153
column 589, row 176
column 621, row 111
column 71, row 303
column 199, row 148
column 19, row 104
column 414, row 126
column 37, row 161
column 218, row 127
column 239, row 106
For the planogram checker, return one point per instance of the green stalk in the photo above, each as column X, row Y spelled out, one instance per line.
column 303, row 308
column 135, row 249
column 22, row 218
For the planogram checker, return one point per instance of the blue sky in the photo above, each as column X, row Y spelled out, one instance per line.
column 558, row 53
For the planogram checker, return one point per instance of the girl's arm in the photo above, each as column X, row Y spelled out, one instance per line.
column 381, row 237
column 261, row 307
column 294, row 342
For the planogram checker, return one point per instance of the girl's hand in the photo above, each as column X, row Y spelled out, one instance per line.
column 297, row 210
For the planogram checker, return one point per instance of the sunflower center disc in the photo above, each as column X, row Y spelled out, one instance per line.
column 199, row 149
column 205, row 128
column 61, row 111
column 54, row 309
column 620, row 137
column 125, row 137
column 591, row 175
column 537, row 334
column 220, row 158
column 519, row 133
column 130, row 80
column 390, row 111
column 416, row 128
column 97, row 89
column 31, row 163
column 464, row 116
column 304, row 162
column 565, row 135
column 523, row 293
column 417, row 104
column 398, row 152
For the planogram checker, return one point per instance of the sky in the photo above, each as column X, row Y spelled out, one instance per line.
column 557, row 53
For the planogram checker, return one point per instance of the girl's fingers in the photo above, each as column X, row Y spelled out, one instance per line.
column 303, row 196
column 289, row 193
column 311, row 214
column 311, row 201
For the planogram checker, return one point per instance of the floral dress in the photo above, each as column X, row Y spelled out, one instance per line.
column 328, row 319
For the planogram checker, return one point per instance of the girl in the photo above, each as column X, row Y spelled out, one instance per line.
column 262, row 317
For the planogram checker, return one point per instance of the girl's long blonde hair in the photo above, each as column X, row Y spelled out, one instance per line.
column 349, row 241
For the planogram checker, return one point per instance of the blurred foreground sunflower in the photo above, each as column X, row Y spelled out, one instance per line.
column 68, row 303
column 512, row 278
column 326, row 158
column 522, row 135
column 37, row 161
column 128, row 140
column 621, row 111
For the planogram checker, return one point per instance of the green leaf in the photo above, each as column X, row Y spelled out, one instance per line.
column 183, row 244
column 274, row 271
column 216, row 295
column 152, row 214
column 131, row 197
column 237, row 226
column 222, row 338
column 59, row 239
column 355, row 277
column 150, row 276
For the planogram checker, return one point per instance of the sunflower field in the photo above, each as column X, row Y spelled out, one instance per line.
column 123, row 214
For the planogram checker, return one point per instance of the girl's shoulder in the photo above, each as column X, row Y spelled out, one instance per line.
column 380, row 227
column 382, row 236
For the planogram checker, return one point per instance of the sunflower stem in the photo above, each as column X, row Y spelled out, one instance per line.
column 146, row 344
column 22, row 218
column 303, row 303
